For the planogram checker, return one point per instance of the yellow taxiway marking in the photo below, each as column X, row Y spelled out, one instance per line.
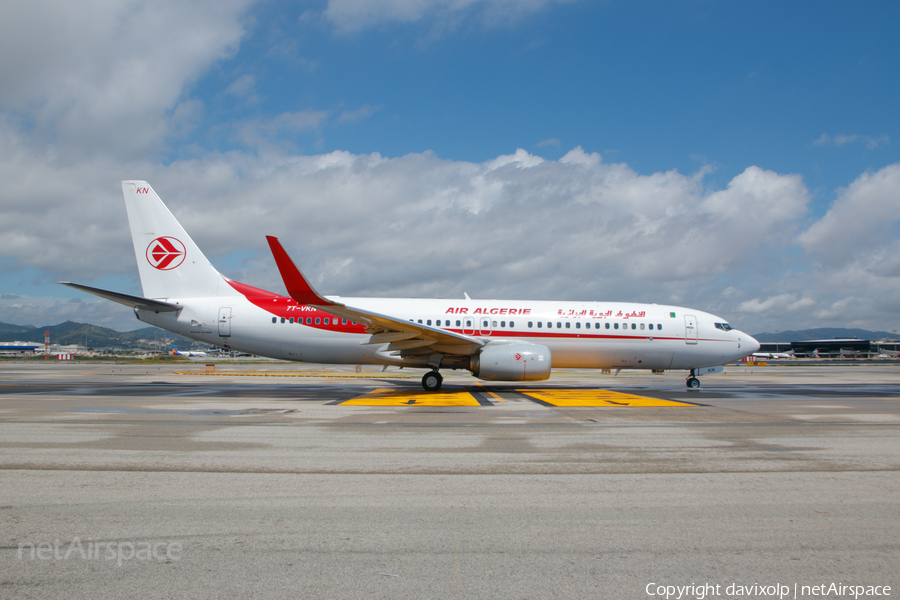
column 391, row 397
column 491, row 394
column 596, row 398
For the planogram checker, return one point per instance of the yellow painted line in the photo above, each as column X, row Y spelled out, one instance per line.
column 597, row 398
column 391, row 397
column 492, row 394
column 333, row 375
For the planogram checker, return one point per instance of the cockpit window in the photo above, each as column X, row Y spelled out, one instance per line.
column 724, row 326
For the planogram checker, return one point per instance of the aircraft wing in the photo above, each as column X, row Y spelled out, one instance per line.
column 126, row 299
column 401, row 335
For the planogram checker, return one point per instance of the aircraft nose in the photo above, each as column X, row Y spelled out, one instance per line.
column 749, row 343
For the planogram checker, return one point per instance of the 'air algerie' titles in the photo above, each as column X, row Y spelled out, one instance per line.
column 488, row 311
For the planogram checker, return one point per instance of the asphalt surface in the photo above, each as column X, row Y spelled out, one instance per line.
column 138, row 482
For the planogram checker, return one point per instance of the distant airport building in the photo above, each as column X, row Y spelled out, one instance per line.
column 835, row 348
column 13, row 348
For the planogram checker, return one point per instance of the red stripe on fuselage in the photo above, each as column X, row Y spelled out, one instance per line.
column 285, row 307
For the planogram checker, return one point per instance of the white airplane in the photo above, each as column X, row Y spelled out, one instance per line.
column 188, row 353
column 773, row 355
column 496, row 340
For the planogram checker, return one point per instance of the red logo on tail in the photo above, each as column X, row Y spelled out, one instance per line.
column 165, row 253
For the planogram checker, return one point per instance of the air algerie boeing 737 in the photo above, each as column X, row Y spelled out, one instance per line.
column 496, row 340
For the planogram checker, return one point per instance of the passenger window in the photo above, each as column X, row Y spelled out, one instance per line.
column 651, row 326
column 457, row 322
column 494, row 324
column 607, row 325
column 274, row 319
column 502, row 323
column 325, row 321
column 420, row 321
column 282, row 319
column 530, row 324
column 428, row 322
column 343, row 321
column 309, row 320
column 511, row 324
column 318, row 320
column 659, row 326
column 540, row 324
column 568, row 325
column 642, row 326
column 578, row 325
column 634, row 325
column 468, row 322
column 558, row 325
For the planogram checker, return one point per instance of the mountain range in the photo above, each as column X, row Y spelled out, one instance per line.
column 94, row 335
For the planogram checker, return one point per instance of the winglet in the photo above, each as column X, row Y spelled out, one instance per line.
column 297, row 286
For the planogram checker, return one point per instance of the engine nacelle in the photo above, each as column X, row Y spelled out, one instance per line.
column 512, row 362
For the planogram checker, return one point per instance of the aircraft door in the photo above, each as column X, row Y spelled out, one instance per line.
column 691, row 331
column 484, row 325
column 225, row 321
column 469, row 325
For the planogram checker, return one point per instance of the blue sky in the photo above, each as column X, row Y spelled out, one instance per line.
column 702, row 153
column 659, row 85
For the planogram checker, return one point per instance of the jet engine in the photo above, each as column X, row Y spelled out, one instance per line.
column 511, row 362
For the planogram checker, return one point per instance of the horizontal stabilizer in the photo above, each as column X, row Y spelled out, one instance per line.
column 126, row 299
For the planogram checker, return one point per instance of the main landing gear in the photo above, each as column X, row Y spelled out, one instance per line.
column 432, row 381
column 692, row 382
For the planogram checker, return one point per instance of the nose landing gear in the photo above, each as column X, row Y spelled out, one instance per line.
column 692, row 382
column 432, row 381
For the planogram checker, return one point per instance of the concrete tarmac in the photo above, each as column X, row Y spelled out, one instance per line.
column 281, row 480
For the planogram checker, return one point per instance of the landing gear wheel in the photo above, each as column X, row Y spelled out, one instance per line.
column 693, row 383
column 432, row 381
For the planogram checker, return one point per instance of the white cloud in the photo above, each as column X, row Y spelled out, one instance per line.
column 99, row 76
column 363, row 112
column 242, row 87
column 871, row 142
column 513, row 226
column 516, row 225
column 863, row 219
column 352, row 15
column 262, row 132
column 782, row 302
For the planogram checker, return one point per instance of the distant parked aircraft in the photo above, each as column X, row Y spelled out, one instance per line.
column 176, row 352
column 772, row 355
